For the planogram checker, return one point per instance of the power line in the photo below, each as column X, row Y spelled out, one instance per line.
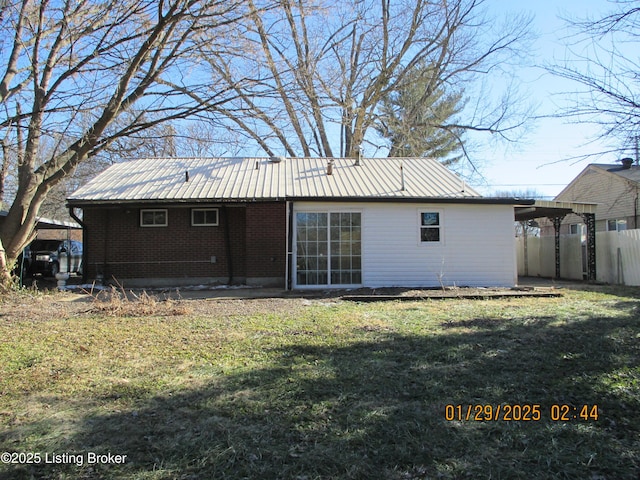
column 526, row 185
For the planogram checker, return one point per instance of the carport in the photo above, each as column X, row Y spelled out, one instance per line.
column 46, row 224
column 555, row 212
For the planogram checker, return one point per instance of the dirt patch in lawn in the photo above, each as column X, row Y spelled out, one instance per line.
column 46, row 305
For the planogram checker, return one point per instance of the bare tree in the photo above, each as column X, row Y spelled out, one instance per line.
column 171, row 139
column 603, row 62
column 79, row 74
column 311, row 75
column 523, row 228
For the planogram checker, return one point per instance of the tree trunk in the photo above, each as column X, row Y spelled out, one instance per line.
column 5, row 271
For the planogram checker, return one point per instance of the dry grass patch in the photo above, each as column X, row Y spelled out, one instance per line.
column 299, row 389
column 116, row 302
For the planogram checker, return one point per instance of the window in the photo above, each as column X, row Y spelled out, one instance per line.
column 204, row 217
column 429, row 227
column 576, row 229
column 616, row 225
column 153, row 218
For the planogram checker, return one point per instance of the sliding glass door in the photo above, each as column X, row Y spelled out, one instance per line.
column 328, row 248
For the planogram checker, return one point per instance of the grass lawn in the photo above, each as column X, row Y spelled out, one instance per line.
column 326, row 389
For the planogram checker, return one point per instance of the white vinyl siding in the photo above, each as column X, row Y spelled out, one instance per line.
column 479, row 246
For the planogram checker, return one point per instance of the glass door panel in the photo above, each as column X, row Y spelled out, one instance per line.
column 328, row 248
column 311, row 248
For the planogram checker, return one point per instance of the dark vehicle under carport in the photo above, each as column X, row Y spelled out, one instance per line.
column 49, row 257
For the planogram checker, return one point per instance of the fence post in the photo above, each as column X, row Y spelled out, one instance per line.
column 590, row 221
column 556, row 231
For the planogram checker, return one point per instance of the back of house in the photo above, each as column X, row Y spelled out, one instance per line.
column 293, row 223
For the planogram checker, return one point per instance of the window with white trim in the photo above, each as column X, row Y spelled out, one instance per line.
column 576, row 229
column 154, row 217
column 430, row 227
column 616, row 225
column 204, row 217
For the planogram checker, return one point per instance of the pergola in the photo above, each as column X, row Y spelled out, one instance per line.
column 556, row 211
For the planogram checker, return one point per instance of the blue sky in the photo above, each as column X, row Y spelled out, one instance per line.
column 540, row 161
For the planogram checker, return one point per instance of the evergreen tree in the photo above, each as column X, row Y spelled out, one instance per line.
column 414, row 119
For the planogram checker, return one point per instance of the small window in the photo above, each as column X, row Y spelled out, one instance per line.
column 576, row 229
column 616, row 225
column 153, row 218
column 204, row 217
column 429, row 227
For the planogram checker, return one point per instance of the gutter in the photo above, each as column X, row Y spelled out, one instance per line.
column 449, row 200
column 227, row 240
column 635, row 210
column 355, row 199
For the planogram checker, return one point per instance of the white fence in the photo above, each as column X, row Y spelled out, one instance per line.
column 617, row 257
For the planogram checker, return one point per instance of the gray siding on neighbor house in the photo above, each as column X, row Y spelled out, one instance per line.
column 615, row 195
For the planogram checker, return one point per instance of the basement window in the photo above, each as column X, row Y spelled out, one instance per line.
column 204, row 217
column 153, row 217
column 429, row 227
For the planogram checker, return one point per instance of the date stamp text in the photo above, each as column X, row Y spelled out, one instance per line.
column 520, row 412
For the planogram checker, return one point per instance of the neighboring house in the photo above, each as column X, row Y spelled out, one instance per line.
column 614, row 188
column 294, row 223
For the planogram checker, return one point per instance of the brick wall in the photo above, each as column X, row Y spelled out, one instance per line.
column 266, row 240
column 116, row 245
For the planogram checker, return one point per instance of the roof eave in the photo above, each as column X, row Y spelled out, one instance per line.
column 458, row 200
column 373, row 199
column 78, row 203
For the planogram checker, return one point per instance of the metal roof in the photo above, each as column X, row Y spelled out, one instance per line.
column 252, row 179
column 49, row 223
column 550, row 209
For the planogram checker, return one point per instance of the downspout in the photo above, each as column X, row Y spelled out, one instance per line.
column 289, row 266
column 635, row 210
column 21, row 278
column 227, row 240
column 73, row 215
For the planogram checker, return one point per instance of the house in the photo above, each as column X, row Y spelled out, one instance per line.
column 293, row 223
column 614, row 188
column 604, row 199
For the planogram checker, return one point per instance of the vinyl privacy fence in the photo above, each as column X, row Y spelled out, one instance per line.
column 617, row 257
